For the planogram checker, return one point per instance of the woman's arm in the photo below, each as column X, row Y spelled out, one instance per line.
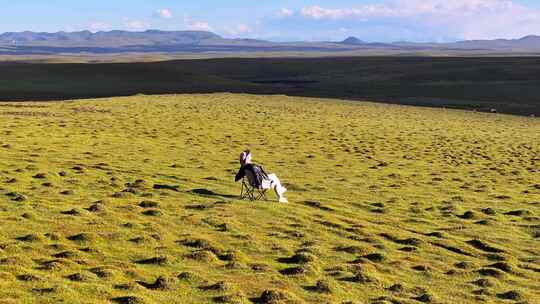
column 241, row 173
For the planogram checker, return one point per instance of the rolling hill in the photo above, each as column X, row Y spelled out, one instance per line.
column 507, row 85
column 107, row 39
column 133, row 200
column 156, row 41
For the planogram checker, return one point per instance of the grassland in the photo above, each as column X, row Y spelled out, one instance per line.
column 132, row 200
column 507, row 85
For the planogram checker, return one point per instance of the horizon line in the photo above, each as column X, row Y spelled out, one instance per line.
column 269, row 40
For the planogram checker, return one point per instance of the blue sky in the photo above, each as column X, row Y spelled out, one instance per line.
column 370, row 20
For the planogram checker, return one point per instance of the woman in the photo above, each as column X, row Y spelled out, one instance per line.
column 258, row 178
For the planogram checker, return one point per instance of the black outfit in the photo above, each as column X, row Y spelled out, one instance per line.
column 252, row 170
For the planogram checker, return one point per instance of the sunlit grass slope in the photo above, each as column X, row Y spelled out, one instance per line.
column 132, row 200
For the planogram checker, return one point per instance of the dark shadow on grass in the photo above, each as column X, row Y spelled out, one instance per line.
column 420, row 82
column 206, row 192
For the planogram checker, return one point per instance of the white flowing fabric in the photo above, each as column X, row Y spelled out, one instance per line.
column 272, row 182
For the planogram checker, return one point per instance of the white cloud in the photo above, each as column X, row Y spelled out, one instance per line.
column 317, row 12
column 200, row 26
column 285, row 12
column 99, row 26
column 194, row 25
column 164, row 13
column 462, row 19
column 136, row 25
column 410, row 8
column 239, row 30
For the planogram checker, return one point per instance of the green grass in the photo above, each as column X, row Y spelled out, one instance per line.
column 388, row 204
column 508, row 85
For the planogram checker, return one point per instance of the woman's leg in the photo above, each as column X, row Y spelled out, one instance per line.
column 278, row 188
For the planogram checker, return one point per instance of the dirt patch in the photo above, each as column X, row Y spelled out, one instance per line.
column 219, row 286
column 360, row 277
column 478, row 244
column 491, row 272
column 29, row 238
column 190, row 277
column 299, row 258
column 160, row 260
column 294, row 271
column 103, row 272
column 152, row 212
column 322, row 286
column 161, row 283
column 65, row 255
column 352, row 249
column 128, row 300
column 372, row 257
column 205, row 256
column 510, row 295
column 81, row 237
column 518, row 213
column 78, row 277
column 73, row 212
column 149, row 204
column 16, row 196
column 97, row 208
column 502, row 266
column 483, row 283
column 28, row 278
column 273, row 296
column 425, row 298
column 174, row 188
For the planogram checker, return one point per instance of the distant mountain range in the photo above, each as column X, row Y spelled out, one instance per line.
column 106, row 39
column 200, row 41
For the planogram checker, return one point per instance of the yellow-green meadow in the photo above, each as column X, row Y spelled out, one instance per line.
column 133, row 200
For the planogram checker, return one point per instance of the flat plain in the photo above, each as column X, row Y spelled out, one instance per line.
column 132, row 200
column 508, row 85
